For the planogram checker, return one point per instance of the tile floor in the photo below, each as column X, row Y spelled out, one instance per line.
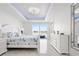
column 30, row 52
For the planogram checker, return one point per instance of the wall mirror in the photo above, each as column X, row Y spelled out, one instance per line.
column 75, row 26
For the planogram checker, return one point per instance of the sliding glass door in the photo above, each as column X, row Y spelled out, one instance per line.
column 39, row 29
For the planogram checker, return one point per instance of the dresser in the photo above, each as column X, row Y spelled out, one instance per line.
column 3, row 44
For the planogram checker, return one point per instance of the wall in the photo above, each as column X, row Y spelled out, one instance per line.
column 27, row 27
column 62, row 17
column 10, row 17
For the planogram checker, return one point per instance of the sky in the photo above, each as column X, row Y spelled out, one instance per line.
column 43, row 27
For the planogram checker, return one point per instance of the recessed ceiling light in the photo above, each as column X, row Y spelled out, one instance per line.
column 34, row 10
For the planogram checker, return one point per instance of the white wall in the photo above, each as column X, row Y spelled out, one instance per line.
column 5, row 18
column 27, row 27
column 9, row 16
column 62, row 17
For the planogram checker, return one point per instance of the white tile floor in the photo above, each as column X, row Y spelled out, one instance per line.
column 30, row 52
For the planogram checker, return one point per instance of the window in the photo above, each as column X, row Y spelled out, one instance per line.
column 35, row 29
column 39, row 29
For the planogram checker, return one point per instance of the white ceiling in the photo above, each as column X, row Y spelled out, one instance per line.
column 23, row 9
column 6, row 9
